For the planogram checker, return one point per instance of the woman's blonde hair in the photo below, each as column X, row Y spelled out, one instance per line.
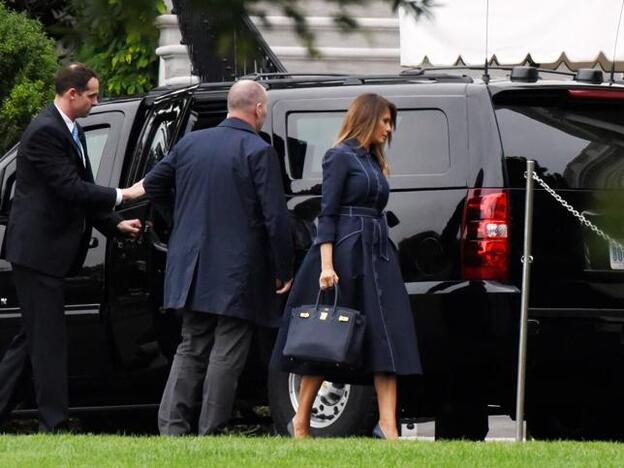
column 361, row 121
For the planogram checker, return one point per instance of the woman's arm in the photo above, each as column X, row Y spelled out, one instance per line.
column 335, row 170
column 328, row 275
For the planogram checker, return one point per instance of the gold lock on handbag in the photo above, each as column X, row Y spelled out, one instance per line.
column 325, row 334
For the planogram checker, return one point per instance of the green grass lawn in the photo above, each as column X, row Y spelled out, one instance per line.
column 117, row 451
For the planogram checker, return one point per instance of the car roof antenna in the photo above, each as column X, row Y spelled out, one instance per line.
column 617, row 34
column 486, row 75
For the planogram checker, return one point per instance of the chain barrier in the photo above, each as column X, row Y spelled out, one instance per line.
column 582, row 219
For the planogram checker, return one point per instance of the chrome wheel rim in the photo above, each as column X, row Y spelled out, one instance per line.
column 330, row 403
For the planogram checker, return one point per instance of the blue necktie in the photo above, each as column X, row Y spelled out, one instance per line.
column 76, row 139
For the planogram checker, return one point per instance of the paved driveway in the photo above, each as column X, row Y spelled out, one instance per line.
column 501, row 428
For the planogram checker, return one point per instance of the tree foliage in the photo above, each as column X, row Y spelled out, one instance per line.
column 29, row 62
column 56, row 16
column 118, row 39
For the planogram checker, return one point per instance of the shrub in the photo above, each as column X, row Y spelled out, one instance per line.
column 118, row 40
column 29, row 62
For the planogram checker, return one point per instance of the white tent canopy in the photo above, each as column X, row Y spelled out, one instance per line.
column 579, row 33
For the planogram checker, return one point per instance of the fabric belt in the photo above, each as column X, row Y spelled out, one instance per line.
column 380, row 226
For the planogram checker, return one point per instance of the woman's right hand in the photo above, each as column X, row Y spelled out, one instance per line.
column 328, row 278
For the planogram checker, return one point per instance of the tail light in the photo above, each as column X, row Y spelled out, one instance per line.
column 485, row 235
column 599, row 94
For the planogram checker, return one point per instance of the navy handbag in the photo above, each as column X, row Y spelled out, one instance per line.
column 325, row 334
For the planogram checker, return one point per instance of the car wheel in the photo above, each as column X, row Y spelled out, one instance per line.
column 339, row 410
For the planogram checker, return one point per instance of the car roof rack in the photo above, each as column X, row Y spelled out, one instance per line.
column 480, row 67
column 261, row 76
column 433, row 74
column 294, row 80
column 508, row 68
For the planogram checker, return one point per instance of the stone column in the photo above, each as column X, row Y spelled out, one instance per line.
column 175, row 65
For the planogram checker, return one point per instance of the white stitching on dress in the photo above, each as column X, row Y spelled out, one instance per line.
column 368, row 182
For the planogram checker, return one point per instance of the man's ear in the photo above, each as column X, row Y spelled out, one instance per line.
column 71, row 93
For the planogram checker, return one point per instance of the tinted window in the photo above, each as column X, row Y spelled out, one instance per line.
column 420, row 144
column 8, row 165
column 158, row 146
column 96, row 141
column 159, row 134
column 310, row 135
column 157, row 141
column 574, row 144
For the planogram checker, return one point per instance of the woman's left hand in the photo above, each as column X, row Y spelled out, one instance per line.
column 328, row 278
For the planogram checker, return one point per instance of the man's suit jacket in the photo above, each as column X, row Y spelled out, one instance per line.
column 231, row 230
column 56, row 200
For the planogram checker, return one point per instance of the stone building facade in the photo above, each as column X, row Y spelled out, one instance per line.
column 373, row 48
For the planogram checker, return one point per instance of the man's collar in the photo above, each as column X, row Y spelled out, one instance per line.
column 239, row 124
column 70, row 124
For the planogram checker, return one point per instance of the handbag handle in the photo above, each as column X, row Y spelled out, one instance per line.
column 318, row 297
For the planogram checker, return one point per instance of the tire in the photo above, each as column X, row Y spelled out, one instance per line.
column 340, row 410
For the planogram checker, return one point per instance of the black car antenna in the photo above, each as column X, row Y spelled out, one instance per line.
column 486, row 75
column 617, row 34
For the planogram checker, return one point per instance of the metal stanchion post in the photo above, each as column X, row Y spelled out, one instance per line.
column 524, row 303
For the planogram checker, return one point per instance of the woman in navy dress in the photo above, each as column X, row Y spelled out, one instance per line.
column 352, row 247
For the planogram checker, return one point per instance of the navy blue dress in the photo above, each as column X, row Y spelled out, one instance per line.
column 355, row 191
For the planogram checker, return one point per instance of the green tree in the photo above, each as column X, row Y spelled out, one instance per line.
column 118, row 39
column 29, row 62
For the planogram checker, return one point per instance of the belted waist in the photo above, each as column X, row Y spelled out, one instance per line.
column 380, row 226
column 359, row 211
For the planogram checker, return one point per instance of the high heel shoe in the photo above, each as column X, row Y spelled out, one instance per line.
column 378, row 433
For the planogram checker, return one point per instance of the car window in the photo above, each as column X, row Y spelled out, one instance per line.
column 420, row 143
column 160, row 134
column 96, row 141
column 310, row 135
column 8, row 165
column 574, row 144
column 158, row 145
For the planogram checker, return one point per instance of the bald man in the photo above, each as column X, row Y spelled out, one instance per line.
column 229, row 254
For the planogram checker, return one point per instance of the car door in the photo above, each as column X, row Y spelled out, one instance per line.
column 136, row 321
column 84, row 293
column 9, row 310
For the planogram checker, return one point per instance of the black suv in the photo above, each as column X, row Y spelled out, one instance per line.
column 458, row 160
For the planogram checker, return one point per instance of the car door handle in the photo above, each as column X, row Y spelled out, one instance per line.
column 160, row 246
column 153, row 238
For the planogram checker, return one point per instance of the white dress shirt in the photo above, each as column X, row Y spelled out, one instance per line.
column 70, row 126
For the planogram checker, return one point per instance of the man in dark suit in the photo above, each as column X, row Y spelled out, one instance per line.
column 55, row 204
column 229, row 250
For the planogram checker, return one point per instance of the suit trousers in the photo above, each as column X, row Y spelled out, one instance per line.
column 41, row 345
column 206, row 368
